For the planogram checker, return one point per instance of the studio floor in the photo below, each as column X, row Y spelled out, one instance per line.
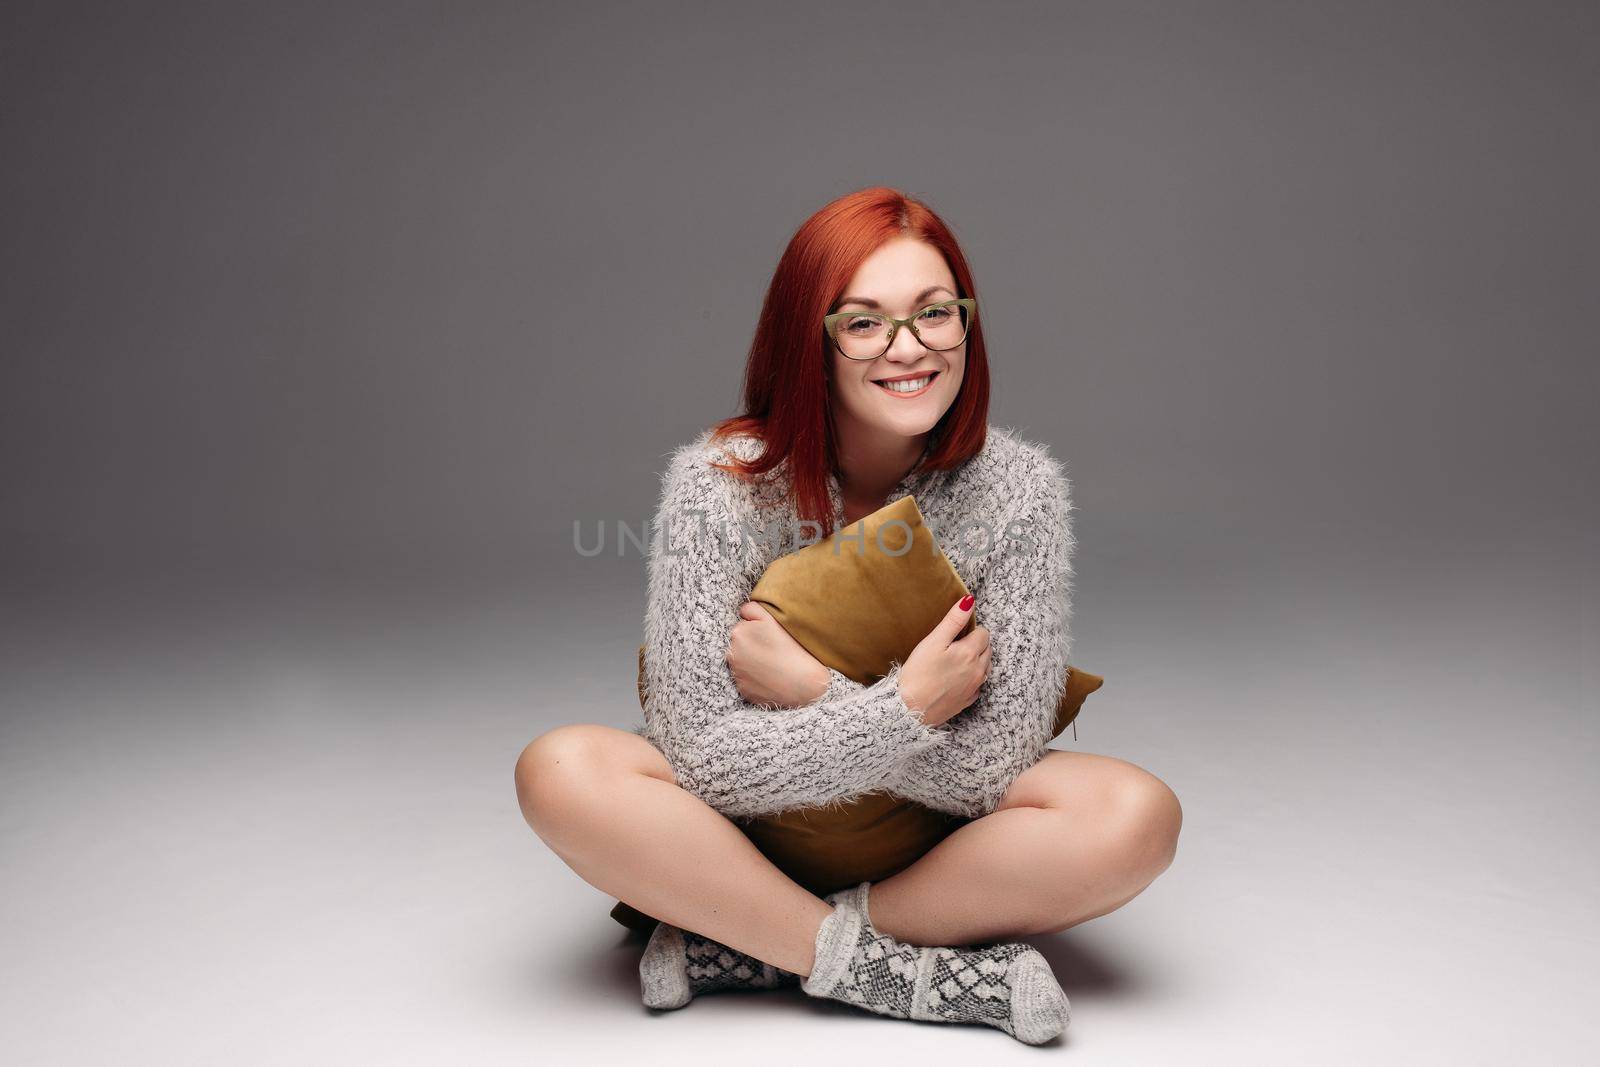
column 252, row 830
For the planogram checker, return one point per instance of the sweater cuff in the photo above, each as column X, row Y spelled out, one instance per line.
column 910, row 733
column 903, row 729
column 839, row 687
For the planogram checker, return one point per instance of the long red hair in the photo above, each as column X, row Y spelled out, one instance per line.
column 787, row 374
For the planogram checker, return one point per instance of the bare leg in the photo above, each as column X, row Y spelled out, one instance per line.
column 1077, row 836
column 606, row 801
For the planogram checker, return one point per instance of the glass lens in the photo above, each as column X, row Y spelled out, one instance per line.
column 942, row 327
column 862, row 336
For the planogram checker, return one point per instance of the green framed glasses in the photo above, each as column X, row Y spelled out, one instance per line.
column 868, row 335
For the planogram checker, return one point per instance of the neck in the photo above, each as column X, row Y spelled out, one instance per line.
column 873, row 461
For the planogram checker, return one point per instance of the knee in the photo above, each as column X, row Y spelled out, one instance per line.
column 554, row 775
column 1150, row 819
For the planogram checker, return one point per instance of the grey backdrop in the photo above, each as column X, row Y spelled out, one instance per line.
column 322, row 323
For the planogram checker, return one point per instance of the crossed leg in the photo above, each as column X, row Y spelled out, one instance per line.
column 1075, row 837
column 607, row 802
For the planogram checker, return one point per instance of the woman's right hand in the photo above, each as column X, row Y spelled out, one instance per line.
column 942, row 675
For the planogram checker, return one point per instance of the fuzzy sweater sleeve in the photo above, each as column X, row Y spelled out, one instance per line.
column 1024, row 600
column 740, row 758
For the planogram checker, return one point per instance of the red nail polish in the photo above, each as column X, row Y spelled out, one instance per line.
column 967, row 601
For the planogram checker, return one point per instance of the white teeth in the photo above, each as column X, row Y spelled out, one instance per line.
column 909, row 386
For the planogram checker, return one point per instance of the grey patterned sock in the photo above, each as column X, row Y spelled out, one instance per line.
column 679, row 965
column 1007, row 986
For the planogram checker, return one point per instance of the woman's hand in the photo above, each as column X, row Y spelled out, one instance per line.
column 942, row 675
column 769, row 666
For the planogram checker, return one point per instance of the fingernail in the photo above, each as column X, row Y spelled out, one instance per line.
column 966, row 602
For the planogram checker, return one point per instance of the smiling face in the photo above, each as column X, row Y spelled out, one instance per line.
column 899, row 279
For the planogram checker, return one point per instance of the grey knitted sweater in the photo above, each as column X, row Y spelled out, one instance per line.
column 1004, row 520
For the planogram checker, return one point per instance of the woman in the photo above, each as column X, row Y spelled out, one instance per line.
column 867, row 381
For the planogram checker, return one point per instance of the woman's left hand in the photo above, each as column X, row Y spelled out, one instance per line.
column 769, row 666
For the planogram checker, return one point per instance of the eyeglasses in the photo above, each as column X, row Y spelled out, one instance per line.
column 865, row 335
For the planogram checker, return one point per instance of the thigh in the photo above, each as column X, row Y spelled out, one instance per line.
column 1086, row 785
column 568, row 773
column 585, row 751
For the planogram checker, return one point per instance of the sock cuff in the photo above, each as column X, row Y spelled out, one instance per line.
column 836, row 941
column 924, row 982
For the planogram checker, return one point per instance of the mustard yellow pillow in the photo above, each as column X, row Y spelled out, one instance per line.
column 866, row 595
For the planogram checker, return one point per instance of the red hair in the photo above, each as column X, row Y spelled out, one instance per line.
column 790, row 363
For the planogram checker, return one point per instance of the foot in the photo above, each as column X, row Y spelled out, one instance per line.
column 679, row 965
column 1007, row 986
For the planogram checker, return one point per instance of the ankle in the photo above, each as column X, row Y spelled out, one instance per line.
column 873, row 911
column 801, row 942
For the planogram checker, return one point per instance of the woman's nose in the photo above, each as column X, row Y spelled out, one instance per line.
column 905, row 348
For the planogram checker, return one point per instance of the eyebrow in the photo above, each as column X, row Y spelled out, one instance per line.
column 929, row 291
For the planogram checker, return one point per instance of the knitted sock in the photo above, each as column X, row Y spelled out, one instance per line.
column 679, row 965
column 1007, row 986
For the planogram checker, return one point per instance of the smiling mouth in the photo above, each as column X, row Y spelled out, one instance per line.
column 909, row 387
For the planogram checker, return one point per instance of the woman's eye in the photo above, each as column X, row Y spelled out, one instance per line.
column 935, row 314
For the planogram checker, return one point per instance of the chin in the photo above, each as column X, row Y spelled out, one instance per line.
column 909, row 423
